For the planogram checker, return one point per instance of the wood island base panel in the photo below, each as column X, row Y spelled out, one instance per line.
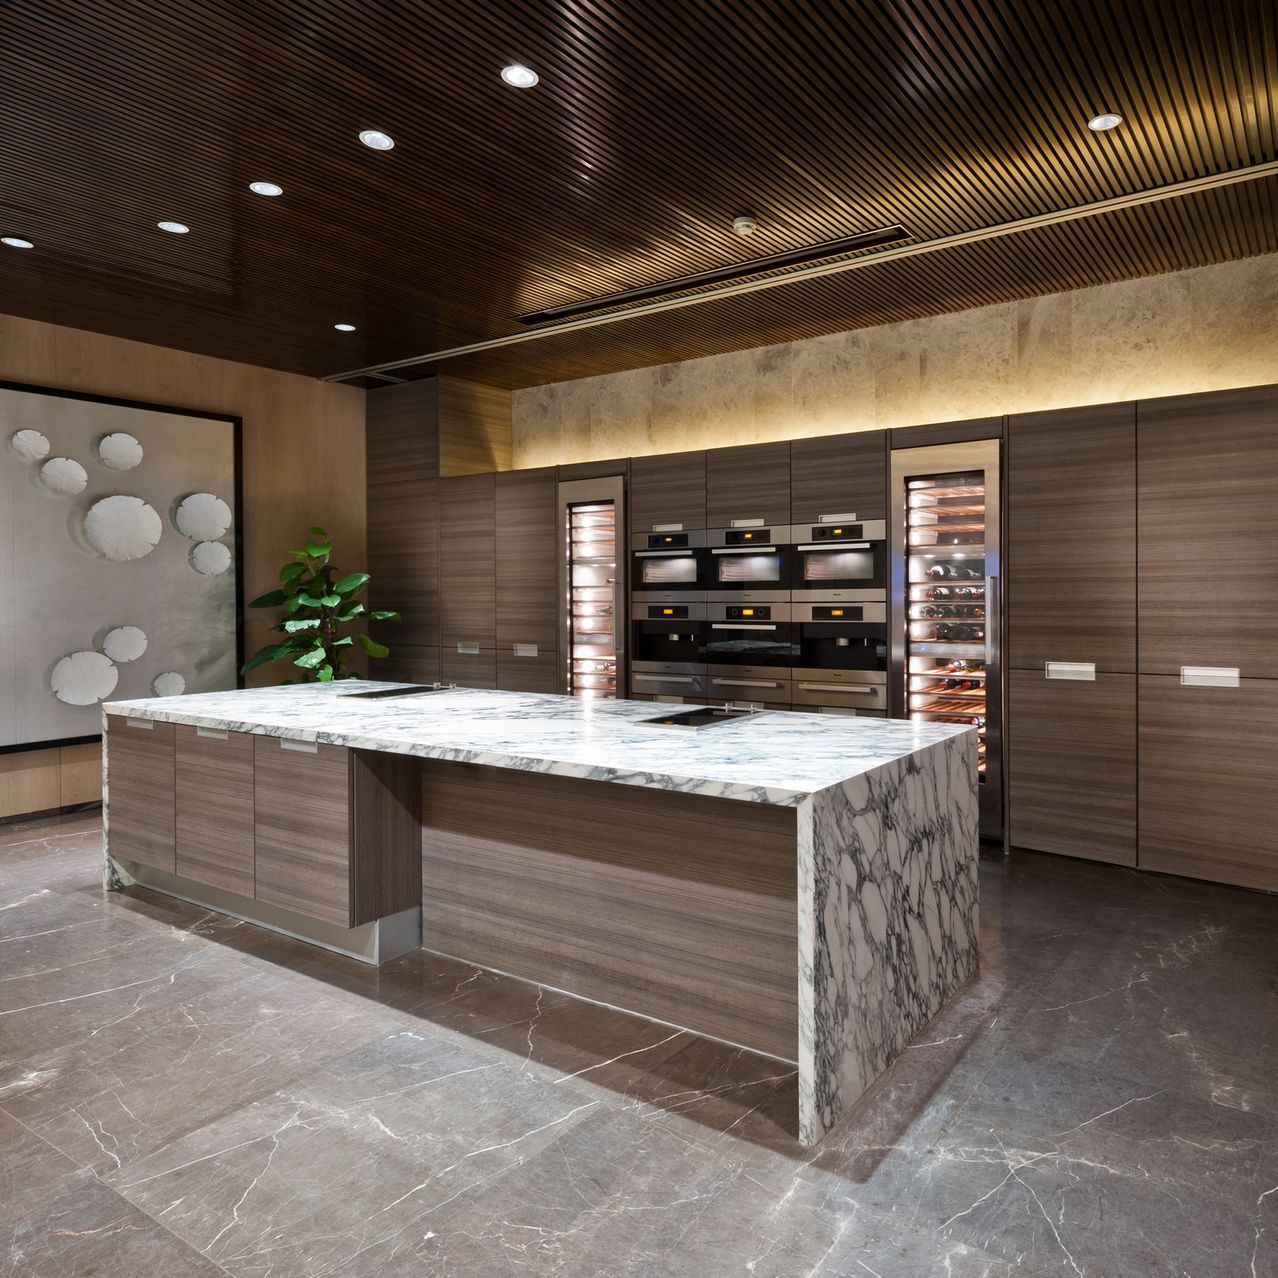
column 804, row 886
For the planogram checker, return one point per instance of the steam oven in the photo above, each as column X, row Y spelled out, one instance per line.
column 840, row 559
column 749, row 565
column 667, row 566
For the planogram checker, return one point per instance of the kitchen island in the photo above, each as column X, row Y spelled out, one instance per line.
column 801, row 885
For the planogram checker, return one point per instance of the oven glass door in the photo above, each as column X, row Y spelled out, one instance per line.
column 666, row 641
column 755, row 568
column 663, row 570
column 748, row 643
column 857, row 565
column 841, row 645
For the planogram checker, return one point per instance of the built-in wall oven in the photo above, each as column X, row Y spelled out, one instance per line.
column 749, row 565
column 668, row 566
column 750, row 650
column 841, row 658
column 667, row 648
column 840, row 559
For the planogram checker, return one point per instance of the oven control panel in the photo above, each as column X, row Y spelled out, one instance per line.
column 747, row 537
column 667, row 612
column 837, row 532
column 837, row 612
column 748, row 612
column 667, row 541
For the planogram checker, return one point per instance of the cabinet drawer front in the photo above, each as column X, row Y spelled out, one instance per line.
column 1072, row 765
column 301, row 808
column 214, row 787
column 532, row 673
column 468, row 669
column 141, row 800
column 1208, row 802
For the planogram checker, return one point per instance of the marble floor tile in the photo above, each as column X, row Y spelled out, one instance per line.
column 181, row 1093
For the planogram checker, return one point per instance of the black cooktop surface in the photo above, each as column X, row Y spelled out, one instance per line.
column 704, row 717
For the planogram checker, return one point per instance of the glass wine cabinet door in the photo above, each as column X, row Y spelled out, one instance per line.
column 592, row 599
column 946, row 570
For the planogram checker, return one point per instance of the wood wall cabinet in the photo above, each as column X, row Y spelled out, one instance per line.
column 527, row 550
column 537, row 672
column 214, row 802
column 839, row 475
column 1208, row 798
column 946, row 432
column 670, row 489
column 1071, row 538
column 141, row 799
column 1071, row 776
column 1208, row 519
column 752, row 482
column 467, row 668
column 467, row 561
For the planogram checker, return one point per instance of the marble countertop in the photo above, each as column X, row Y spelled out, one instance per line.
column 778, row 758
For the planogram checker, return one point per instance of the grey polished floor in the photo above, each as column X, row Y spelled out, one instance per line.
column 184, row 1095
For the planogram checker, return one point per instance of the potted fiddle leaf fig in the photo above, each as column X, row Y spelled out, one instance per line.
column 319, row 607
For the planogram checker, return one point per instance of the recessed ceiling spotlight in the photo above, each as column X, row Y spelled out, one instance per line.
column 744, row 224
column 519, row 76
column 344, row 328
column 16, row 241
column 377, row 140
column 265, row 188
column 173, row 228
column 1104, row 122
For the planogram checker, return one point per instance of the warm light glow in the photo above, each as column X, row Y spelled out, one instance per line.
column 1104, row 122
column 377, row 140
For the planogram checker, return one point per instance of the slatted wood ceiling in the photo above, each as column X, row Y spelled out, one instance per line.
column 653, row 125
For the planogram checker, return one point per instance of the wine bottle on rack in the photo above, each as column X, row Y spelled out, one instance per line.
column 942, row 570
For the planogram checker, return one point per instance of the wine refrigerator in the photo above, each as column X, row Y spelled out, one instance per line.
column 946, row 664
column 592, row 563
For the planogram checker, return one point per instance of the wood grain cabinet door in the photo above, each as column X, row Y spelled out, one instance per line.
column 467, row 668
column 140, row 801
column 467, row 560
column 839, row 475
column 752, row 482
column 533, row 673
column 301, row 808
column 1209, row 781
column 214, row 782
column 1208, row 531
column 527, row 549
column 670, row 489
column 1072, row 765
column 1071, row 537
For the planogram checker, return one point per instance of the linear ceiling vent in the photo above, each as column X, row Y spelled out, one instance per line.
column 794, row 257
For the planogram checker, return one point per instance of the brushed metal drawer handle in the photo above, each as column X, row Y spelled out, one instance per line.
column 145, row 724
column 838, row 545
column 746, row 683
column 1209, row 676
column 665, row 554
column 743, row 550
column 214, row 734
column 651, row 678
column 1081, row 670
column 302, row 747
column 860, row 689
column 745, row 625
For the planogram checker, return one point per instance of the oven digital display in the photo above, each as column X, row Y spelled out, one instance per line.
column 821, row 612
column 747, row 536
column 838, row 532
column 667, row 541
column 736, row 612
column 658, row 612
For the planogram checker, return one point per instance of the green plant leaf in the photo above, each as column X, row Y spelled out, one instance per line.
column 291, row 572
column 271, row 652
column 312, row 660
column 272, row 599
column 372, row 647
column 355, row 610
column 318, row 549
column 301, row 623
column 299, row 554
column 294, row 604
column 382, row 614
column 326, row 674
column 319, row 533
column 344, row 642
column 308, row 600
column 350, row 583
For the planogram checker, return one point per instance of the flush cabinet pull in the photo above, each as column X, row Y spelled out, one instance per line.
column 467, row 648
column 1080, row 670
column 145, row 724
column 860, row 689
column 524, row 649
column 302, row 747
column 1209, row 676
column 214, row 734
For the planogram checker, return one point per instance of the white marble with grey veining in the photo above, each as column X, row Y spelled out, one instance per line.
column 773, row 758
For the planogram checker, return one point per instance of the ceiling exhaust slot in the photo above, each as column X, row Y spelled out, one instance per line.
column 737, row 270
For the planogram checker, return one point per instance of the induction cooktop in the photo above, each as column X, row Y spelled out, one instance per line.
column 701, row 717
column 413, row 690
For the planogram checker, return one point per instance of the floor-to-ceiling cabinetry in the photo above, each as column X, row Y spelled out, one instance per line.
column 527, row 618
column 468, row 580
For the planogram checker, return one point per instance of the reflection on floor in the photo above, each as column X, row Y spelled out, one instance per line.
column 182, row 1094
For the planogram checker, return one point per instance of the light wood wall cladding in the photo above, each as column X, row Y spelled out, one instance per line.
column 302, row 818
column 670, row 489
column 837, row 475
column 1208, row 802
column 30, row 781
column 142, row 811
column 467, row 551
column 214, row 801
column 402, row 460
column 474, row 427
column 527, row 550
column 1208, row 520
column 1071, row 749
column 548, row 878
column 386, row 831
column 79, row 774
column 1071, row 538
column 752, row 482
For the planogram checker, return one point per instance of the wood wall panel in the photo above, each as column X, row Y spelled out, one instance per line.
column 528, row 674
column 302, row 810
column 474, row 427
column 141, row 810
column 527, row 558
column 1070, row 560
column 588, row 886
column 1071, row 750
column 467, row 552
column 1208, row 519
column 670, row 489
column 468, row 669
column 214, row 801
column 752, row 482
column 1208, row 801
column 29, row 782
column 839, row 474
column 386, row 833
column 80, row 774
column 927, row 435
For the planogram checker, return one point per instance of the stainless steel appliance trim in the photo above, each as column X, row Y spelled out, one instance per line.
column 991, row 622
column 856, row 689
column 743, row 550
column 746, row 683
column 697, row 668
column 744, row 625
column 214, row 734
column 836, row 545
column 878, row 595
column 777, row 598
column 872, row 613
column 876, row 677
column 664, row 678
column 1084, row 671
column 684, row 552
column 717, row 609
column 837, row 519
column 302, row 747
column 1210, row 676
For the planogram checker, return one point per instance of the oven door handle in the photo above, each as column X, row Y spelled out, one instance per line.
column 838, row 545
column 746, row 683
column 665, row 554
column 748, row 625
column 743, row 550
column 859, row 689
column 666, row 678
